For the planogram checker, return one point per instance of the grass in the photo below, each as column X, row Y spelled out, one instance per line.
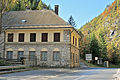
column 114, row 66
column 93, row 65
column 90, row 64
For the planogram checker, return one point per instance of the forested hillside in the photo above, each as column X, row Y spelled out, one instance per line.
column 106, row 28
column 17, row 5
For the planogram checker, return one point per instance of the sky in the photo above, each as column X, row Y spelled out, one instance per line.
column 81, row 10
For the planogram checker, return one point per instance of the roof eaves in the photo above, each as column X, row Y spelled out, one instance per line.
column 35, row 25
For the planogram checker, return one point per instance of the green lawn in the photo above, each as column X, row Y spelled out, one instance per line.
column 93, row 65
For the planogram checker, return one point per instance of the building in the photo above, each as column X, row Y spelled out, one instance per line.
column 41, row 37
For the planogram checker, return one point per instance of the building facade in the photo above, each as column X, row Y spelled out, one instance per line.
column 41, row 37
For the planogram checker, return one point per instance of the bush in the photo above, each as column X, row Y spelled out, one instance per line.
column 4, row 63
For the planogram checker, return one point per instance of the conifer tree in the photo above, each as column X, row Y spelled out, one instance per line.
column 49, row 7
column 23, row 7
column 103, row 48
column 34, row 5
column 94, row 47
column 40, row 5
column 71, row 21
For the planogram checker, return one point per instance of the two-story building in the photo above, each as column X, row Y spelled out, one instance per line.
column 42, row 37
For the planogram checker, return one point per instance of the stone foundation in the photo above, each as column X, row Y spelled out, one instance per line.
column 63, row 48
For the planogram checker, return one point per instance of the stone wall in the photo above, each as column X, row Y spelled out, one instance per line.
column 67, row 35
column 63, row 48
column 75, row 61
column 1, row 44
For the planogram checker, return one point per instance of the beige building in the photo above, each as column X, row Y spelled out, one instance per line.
column 41, row 37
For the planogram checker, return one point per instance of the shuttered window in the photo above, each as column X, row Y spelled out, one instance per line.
column 56, row 37
column 10, row 37
column 21, row 37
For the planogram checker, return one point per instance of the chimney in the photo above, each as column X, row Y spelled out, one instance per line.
column 56, row 9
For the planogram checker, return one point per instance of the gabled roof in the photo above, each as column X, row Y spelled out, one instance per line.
column 32, row 18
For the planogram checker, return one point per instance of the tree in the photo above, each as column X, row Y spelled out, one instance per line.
column 49, row 7
column 3, row 7
column 102, row 44
column 71, row 21
column 94, row 47
column 23, row 7
column 40, row 5
column 115, row 56
column 34, row 5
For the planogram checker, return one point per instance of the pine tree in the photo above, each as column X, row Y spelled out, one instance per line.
column 115, row 56
column 23, row 7
column 49, row 7
column 17, row 6
column 34, row 5
column 71, row 21
column 94, row 47
column 102, row 44
column 40, row 5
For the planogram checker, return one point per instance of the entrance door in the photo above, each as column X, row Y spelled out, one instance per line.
column 20, row 54
column 9, row 55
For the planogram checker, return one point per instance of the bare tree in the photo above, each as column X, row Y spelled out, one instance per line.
column 3, row 7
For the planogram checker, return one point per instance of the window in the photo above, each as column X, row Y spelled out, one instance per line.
column 9, row 55
column 56, row 37
column 73, row 58
column 31, row 55
column 21, row 37
column 44, row 56
column 56, row 56
column 76, row 58
column 32, row 37
column 20, row 54
column 10, row 37
column 44, row 37
column 73, row 39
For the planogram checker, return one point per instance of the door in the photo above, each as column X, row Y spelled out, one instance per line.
column 9, row 55
column 20, row 54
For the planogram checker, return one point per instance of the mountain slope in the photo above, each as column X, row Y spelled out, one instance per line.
column 108, row 22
